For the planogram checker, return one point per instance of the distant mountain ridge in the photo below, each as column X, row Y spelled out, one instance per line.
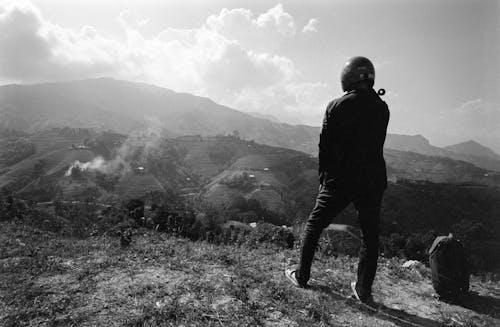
column 470, row 151
column 473, row 148
column 123, row 106
column 264, row 116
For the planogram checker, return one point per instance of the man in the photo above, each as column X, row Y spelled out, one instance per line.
column 351, row 169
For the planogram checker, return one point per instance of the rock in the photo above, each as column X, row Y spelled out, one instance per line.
column 411, row 264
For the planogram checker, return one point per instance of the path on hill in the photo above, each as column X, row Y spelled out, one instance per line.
column 161, row 281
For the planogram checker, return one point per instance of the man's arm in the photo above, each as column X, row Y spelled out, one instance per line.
column 325, row 145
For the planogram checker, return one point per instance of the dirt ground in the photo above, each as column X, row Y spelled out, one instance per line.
column 46, row 280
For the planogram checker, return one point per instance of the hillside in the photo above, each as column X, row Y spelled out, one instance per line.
column 247, row 180
column 46, row 279
column 270, row 179
column 471, row 152
column 124, row 106
column 474, row 149
column 134, row 186
column 53, row 154
column 438, row 169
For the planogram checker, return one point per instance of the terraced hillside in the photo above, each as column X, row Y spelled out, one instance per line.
column 53, row 154
column 268, row 179
column 415, row 166
column 136, row 185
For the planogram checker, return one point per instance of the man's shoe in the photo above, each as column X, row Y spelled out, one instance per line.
column 291, row 275
column 368, row 300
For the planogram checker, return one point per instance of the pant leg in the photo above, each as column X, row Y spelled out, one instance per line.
column 369, row 221
column 329, row 203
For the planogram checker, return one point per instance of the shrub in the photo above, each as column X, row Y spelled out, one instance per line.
column 269, row 233
column 393, row 245
column 106, row 181
column 415, row 248
column 242, row 182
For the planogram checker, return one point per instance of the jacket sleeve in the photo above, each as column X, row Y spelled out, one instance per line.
column 325, row 138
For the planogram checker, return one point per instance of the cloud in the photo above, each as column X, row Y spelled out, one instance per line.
column 240, row 24
column 311, row 26
column 294, row 102
column 233, row 57
column 127, row 18
column 23, row 48
column 33, row 49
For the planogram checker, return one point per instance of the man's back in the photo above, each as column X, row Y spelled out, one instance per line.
column 352, row 139
column 352, row 170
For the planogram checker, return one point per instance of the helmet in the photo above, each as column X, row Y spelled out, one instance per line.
column 357, row 69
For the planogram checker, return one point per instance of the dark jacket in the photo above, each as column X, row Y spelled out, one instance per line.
column 352, row 140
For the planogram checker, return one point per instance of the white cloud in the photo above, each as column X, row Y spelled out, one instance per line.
column 295, row 102
column 241, row 23
column 232, row 58
column 127, row 18
column 34, row 49
column 311, row 26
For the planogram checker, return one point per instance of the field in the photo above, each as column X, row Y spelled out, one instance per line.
column 133, row 185
column 159, row 280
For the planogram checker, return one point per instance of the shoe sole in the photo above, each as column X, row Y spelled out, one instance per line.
column 292, row 279
column 354, row 292
column 371, row 304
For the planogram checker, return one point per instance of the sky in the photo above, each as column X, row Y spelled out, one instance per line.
column 439, row 61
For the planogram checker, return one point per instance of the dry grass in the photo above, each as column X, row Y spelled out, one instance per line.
column 46, row 280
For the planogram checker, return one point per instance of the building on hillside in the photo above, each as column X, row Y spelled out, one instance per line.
column 79, row 147
column 139, row 170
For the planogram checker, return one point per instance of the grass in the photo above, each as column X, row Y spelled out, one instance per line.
column 48, row 280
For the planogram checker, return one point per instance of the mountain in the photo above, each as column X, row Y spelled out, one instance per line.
column 413, row 143
column 264, row 116
column 437, row 169
column 470, row 151
column 124, row 106
column 474, row 149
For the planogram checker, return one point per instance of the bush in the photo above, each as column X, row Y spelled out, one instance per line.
column 254, row 209
column 269, row 233
column 479, row 243
column 106, row 181
column 242, row 182
column 335, row 242
column 393, row 245
column 416, row 248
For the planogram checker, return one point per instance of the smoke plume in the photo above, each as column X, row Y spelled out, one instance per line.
column 144, row 141
column 101, row 165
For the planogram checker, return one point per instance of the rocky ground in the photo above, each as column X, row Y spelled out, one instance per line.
column 47, row 280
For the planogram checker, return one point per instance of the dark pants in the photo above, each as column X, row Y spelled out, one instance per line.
column 329, row 203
